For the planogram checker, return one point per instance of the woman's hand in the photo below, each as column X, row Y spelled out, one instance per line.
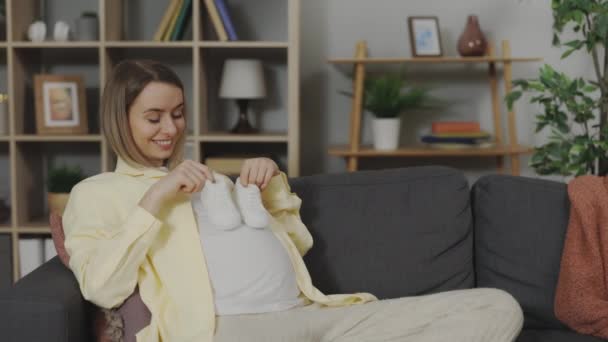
column 187, row 177
column 258, row 171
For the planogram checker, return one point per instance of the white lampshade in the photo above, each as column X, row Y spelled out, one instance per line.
column 242, row 79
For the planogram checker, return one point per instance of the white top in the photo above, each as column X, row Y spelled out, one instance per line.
column 249, row 269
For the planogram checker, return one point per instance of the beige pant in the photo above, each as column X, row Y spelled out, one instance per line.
column 476, row 315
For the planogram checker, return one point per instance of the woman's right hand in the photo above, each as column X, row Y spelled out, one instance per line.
column 187, row 177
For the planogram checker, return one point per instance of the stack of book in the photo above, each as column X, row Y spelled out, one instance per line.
column 220, row 17
column 457, row 134
column 174, row 22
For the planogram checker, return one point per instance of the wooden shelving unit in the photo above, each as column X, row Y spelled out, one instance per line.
column 502, row 148
column 197, row 60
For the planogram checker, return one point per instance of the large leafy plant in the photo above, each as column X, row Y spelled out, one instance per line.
column 62, row 179
column 575, row 109
column 388, row 95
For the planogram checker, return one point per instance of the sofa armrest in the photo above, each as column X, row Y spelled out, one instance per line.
column 46, row 305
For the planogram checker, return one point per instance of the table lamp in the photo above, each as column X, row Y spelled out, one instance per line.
column 243, row 80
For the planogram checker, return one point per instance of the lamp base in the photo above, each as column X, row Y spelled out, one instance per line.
column 243, row 126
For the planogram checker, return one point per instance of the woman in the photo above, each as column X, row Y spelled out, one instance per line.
column 142, row 226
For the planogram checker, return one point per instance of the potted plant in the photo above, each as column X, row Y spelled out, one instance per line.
column 60, row 183
column 570, row 106
column 387, row 97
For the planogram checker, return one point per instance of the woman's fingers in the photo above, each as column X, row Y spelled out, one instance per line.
column 267, row 177
column 253, row 173
column 244, row 176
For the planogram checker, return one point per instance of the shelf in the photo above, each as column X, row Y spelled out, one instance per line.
column 148, row 44
column 236, row 138
column 39, row 224
column 5, row 230
column 244, row 44
column 423, row 151
column 35, row 230
column 52, row 138
column 432, row 60
column 5, row 138
column 55, row 45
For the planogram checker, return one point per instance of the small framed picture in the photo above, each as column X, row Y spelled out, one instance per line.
column 425, row 37
column 60, row 104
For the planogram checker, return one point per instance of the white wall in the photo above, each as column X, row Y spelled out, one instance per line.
column 331, row 28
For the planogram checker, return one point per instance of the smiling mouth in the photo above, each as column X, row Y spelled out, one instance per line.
column 163, row 143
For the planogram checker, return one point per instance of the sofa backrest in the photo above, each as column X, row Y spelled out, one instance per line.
column 520, row 226
column 393, row 233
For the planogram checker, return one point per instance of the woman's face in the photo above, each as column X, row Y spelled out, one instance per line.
column 156, row 118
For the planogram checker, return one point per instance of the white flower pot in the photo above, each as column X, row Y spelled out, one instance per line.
column 386, row 133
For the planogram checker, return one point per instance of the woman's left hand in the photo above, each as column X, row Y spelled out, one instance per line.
column 258, row 171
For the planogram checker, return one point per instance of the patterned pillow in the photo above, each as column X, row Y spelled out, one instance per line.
column 116, row 325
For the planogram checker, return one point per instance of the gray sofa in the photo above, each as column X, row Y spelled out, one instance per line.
column 399, row 232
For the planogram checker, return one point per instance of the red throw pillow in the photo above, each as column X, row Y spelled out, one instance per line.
column 134, row 313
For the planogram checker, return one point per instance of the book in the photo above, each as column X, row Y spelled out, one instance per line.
column 31, row 255
column 6, row 261
column 430, row 139
column 222, row 8
column 478, row 135
column 455, row 126
column 164, row 23
column 182, row 21
column 49, row 249
column 173, row 21
column 217, row 21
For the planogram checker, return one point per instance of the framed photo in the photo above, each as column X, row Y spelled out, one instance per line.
column 60, row 104
column 425, row 37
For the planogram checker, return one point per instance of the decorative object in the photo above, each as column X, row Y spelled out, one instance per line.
column 243, row 80
column 472, row 41
column 60, row 104
column 387, row 97
column 36, row 32
column 60, row 182
column 4, row 129
column 61, row 32
column 570, row 105
column 425, row 38
column 87, row 27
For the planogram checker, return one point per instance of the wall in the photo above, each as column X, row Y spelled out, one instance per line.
column 331, row 28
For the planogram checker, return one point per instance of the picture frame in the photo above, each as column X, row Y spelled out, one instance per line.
column 60, row 104
column 425, row 36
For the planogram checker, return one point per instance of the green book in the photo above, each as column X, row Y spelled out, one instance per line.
column 182, row 21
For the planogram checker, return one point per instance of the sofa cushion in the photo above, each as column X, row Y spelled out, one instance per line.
column 393, row 233
column 551, row 335
column 520, row 226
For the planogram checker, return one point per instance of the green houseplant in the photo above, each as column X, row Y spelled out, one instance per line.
column 572, row 107
column 387, row 97
column 60, row 182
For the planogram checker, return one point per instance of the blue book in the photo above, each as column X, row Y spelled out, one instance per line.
column 223, row 10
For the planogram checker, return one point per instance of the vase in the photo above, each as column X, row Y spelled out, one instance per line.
column 472, row 41
column 87, row 28
column 386, row 133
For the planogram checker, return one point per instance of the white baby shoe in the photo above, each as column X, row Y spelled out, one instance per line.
column 217, row 205
column 249, row 201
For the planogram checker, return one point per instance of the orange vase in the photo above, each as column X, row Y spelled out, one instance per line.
column 472, row 42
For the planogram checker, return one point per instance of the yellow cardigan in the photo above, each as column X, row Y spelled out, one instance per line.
column 114, row 245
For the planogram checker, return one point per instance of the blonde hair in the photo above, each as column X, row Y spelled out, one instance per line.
column 126, row 82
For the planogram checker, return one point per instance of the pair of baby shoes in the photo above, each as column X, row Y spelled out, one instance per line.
column 227, row 205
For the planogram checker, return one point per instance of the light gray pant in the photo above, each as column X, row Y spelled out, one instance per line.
column 475, row 315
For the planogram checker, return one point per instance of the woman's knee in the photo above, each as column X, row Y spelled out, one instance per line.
column 501, row 300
